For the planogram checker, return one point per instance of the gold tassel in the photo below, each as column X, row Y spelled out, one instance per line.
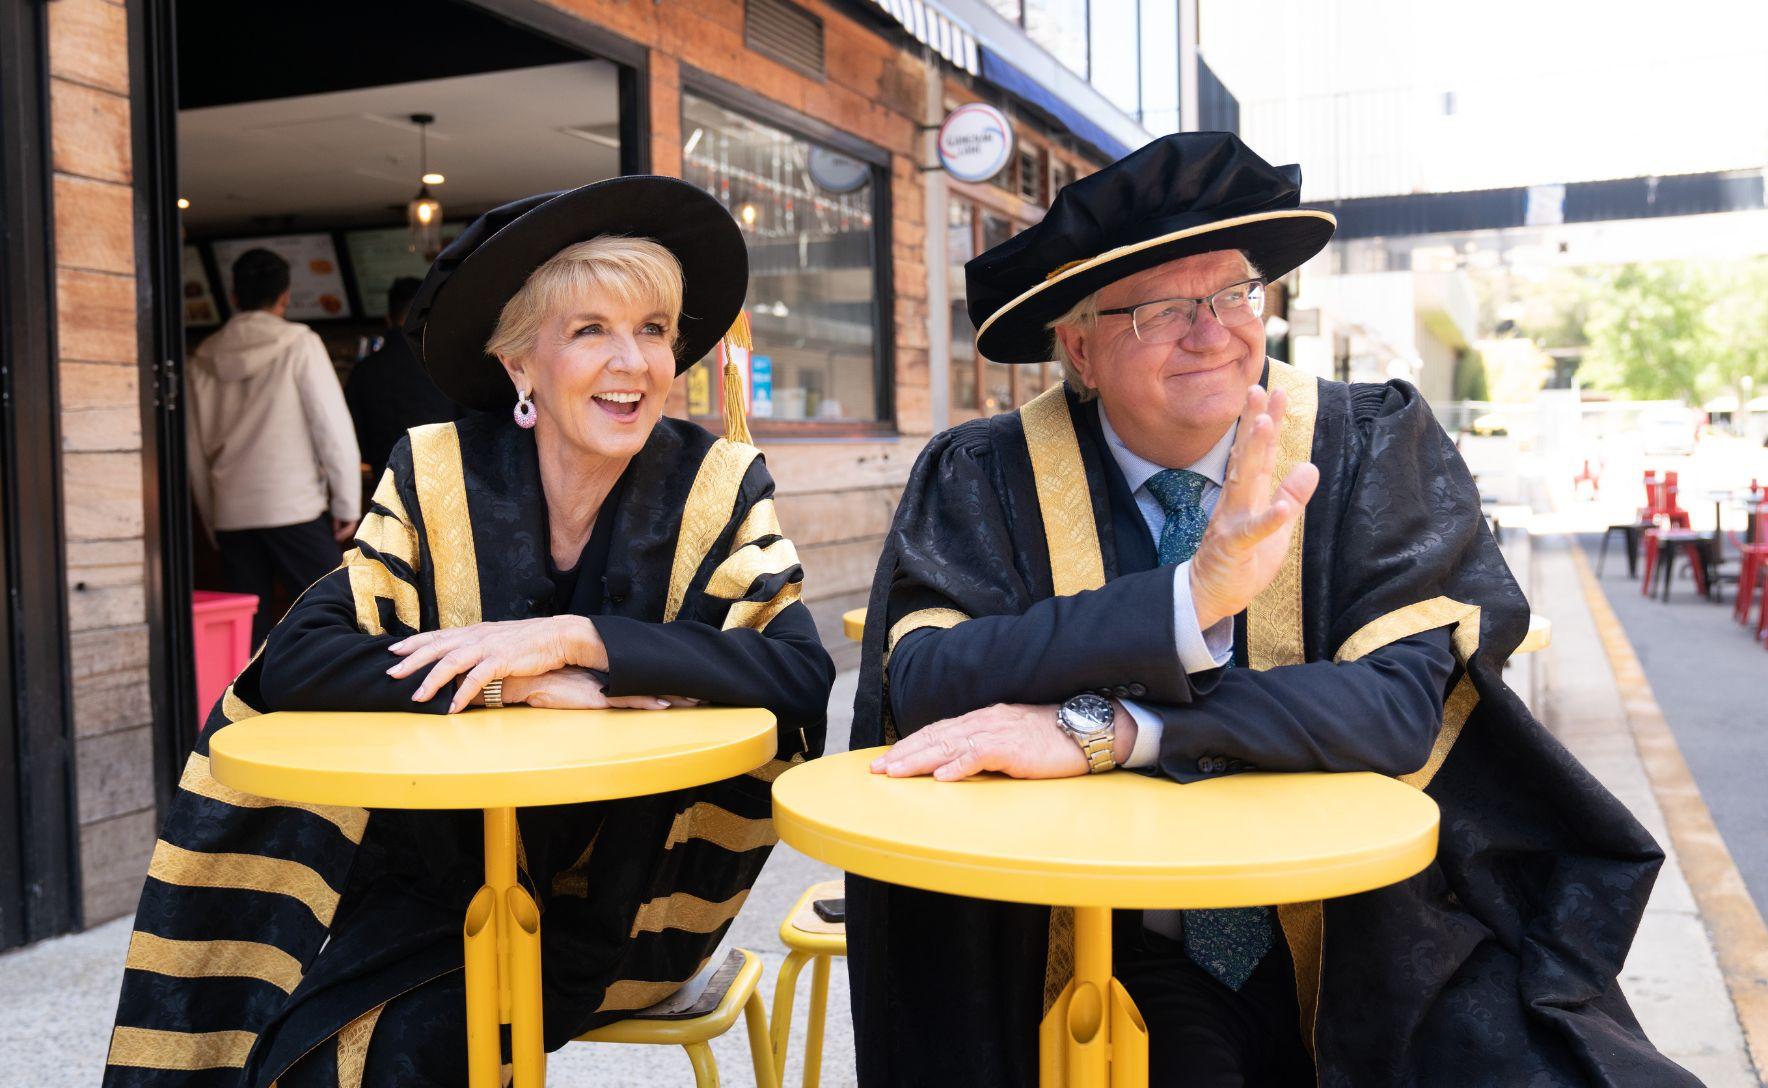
column 736, row 424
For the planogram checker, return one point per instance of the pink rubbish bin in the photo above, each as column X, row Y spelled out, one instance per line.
column 221, row 635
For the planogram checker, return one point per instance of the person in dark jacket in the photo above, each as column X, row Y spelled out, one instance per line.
column 388, row 392
column 1192, row 561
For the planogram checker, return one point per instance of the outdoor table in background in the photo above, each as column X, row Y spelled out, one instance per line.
column 496, row 760
column 853, row 624
column 1538, row 636
column 1237, row 841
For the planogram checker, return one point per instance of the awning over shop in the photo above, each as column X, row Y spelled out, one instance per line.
column 1004, row 75
column 934, row 29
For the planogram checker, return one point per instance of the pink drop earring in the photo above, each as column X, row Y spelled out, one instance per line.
column 525, row 414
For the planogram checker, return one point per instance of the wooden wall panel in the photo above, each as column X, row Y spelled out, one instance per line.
column 102, row 487
column 89, row 44
column 113, row 779
column 90, row 130
column 94, row 225
column 113, row 856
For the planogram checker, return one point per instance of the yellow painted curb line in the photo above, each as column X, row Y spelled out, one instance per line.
column 1740, row 939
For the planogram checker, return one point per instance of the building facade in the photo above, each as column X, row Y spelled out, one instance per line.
column 148, row 142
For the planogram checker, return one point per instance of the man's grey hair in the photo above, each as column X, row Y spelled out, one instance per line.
column 1083, row 315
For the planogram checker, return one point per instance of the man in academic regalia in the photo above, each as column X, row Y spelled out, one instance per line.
column 1189, row 561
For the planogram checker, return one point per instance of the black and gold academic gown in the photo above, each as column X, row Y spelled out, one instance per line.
column 1495, row 966
column 270, row 931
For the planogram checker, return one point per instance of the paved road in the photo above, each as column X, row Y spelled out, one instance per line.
column 1711, row 680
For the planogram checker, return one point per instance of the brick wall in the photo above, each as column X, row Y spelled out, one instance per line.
column 101, row 447
column 835, row 498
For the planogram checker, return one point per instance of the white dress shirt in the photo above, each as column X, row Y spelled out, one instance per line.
column 1199, row 650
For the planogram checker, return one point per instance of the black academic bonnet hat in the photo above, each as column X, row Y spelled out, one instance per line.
column 1193, row 192
column 456, row 309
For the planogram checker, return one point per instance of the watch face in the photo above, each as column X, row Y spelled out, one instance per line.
column 1087, row 714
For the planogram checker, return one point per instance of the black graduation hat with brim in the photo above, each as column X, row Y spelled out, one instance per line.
column 456, row 310
column 1189, row 193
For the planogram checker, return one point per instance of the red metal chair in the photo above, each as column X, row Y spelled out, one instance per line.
column 1670, row 532
column 1752, row 554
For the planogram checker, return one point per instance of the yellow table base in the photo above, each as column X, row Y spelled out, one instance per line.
column 502, row 935
column 1093, row 1036
column 492, row 760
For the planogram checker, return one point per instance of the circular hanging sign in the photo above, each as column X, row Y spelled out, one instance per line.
column 976, row 142
column 834, row 172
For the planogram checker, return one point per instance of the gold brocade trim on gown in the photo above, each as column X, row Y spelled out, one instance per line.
column 246, row 872
column 353, row 1041
column 1274, row 619
column 1063, row 499
column 149, row 1048
column 707, row 512
column 448, row 525
column 1274, row 637
column 1077, row 563
column 213, row 959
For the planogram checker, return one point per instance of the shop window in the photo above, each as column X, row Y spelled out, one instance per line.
column 808, row 214
column 1061, row 175
column 980, row 387
column 960, row 246
column 1031, row 175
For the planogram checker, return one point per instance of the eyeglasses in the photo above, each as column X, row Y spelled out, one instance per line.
column 1165, row 320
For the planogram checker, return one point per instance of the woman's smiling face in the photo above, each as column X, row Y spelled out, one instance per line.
column 599, row 371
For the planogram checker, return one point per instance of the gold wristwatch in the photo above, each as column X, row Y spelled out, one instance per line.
column 1092, row 723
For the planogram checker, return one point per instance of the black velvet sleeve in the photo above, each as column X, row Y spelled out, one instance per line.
column 952, row 550
column 317, row 658
column 1379, row 713
column 783, row 669
column 330, row 652
column 1118, row 638
column 742, row 638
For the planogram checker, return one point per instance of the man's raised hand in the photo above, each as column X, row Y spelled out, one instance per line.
column 1249, row 532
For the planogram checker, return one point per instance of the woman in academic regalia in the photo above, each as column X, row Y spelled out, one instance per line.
column 564, row 546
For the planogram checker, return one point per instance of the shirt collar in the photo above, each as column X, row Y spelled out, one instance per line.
column 1137, row 469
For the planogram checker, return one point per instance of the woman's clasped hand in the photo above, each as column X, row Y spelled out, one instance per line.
column 544, row 662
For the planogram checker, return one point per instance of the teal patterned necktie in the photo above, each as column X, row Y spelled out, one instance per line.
column 1226, row 943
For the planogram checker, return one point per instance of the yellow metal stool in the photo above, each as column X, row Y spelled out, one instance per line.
column 703, row 1009
column 811, row 939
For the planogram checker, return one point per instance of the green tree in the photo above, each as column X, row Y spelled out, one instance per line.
column 1650, row 331
column 1672, row 329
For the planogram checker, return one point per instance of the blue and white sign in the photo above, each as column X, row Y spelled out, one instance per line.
column 761, row 386
column 976, row 142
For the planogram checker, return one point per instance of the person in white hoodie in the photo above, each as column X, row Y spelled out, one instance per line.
column 274, row 468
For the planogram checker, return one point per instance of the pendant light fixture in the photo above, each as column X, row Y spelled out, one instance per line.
column 424, row 213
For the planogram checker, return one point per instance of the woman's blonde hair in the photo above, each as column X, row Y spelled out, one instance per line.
column 1082, row 316
column 636, row 272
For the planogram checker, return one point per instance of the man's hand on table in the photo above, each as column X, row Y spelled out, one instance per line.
column 1249, row 533
column 1016, row 739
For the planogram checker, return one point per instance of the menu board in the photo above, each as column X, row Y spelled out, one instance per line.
column 380, row 256
column 200, row 310
column 316, row 283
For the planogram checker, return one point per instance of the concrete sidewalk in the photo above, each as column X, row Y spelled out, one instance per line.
column 57, row 997
column 1672, row 976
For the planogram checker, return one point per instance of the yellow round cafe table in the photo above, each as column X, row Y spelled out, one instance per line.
column 496, row 760
column 1237, row 841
